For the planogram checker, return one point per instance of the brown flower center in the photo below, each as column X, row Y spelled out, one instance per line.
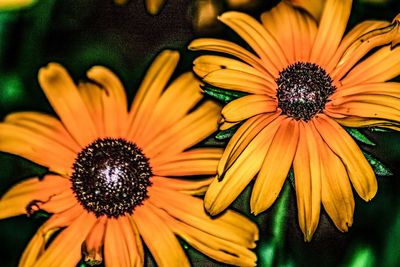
column 111, row 177
column 303, row 90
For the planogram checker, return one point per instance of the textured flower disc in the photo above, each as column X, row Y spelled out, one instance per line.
column 303, row 90
column 111, row 177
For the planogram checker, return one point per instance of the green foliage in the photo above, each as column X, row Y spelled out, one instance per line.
column 356, row 134
column 222, row 95
column 378, row 167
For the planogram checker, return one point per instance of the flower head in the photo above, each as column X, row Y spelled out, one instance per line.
column 304, row 82
column 118, row 176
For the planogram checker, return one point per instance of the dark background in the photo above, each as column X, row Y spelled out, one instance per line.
column 80, row 34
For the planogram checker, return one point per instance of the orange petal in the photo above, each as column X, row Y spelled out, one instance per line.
column 34, row 146
column 36, row 246
column 280, row 155
column 150, row 90
column 159, row 238
column 385, row 88
column 92, row 97
column 116, row 251
column 331, row 28
column 243, row 136
column 365, row 110
column 336, row 193
column 18, row 198
column 65, row 250
column 231, row 79
column 216, row 240
column 64, row 97
column 248, row 106
column 314, row 7
column 258, row 38
column 367, row 122
column 93, row 246
column 190, row 187
column 294, row 31
column 190, row 210
column 357, row 32
column 45, row 125
column 227, row 47
column 135, row 250
column 203, row 65
column 381, row 66
column 201, row 161
column 186, row 91
column 239, row 172
column 115, row 106
column 307, row 173
column 360, row 172
column 187, row 132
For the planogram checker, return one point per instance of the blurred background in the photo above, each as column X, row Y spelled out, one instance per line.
column 125, row 37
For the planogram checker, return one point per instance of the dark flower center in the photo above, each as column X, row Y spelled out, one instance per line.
column 303, row 90
column 111, row 177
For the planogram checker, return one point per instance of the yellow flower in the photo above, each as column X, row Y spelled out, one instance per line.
column 15, row 4
column 303, row 84
column 118, row 175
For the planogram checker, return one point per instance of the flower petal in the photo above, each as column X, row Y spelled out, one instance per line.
column 190, row 211
column 64, row 97
column 330, row 32
column 65, row 250
column 242, row 137
column 201, row 161
column 360, row 172
column 213, row 241
column 45, row 125
column 314, row 7
column 223, row 191
column 33, row 144
column 92, row 248
column 150, row 90
column 17, row 199
column 187, row 132
column 115, row 106
column 116, row 251
column 159, row 238
column 186, row 91
column 248, row 106
column 36, row 246
column 294, row 31
column 203, row 65
column 227, row 47
column 91, row 95
column 336, row 193
column 307, row 173
column 280, row 155
column 357, row 32
column 258, row 38
column 381, row 66
column 190, row 187
column 241, row 81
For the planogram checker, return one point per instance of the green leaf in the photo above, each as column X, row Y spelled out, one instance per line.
column 378, row 167
column 225, row 96
column 228, row 133
column 272, row 253
column 378, row 129
column 363, row 256
column 356, row 134
column 291, row 177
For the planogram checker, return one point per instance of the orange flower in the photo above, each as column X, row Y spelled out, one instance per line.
column 119, row 175
column 303, row 84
